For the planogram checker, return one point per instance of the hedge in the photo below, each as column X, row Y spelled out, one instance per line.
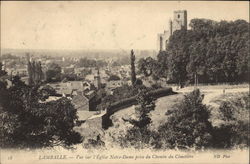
column 124, row 103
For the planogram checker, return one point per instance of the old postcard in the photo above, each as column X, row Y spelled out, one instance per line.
column 124, row 82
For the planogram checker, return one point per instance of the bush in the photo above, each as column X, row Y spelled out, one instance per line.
column 114, row 78
column 231, row 135
column 234, row 130
column 27, row 122
column 187, row 125
column 139, row 135
column 112, row 107
column 226, row 111
column 94, row 143
column 139, row 138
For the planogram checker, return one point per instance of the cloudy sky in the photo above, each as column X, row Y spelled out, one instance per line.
column 101, row 25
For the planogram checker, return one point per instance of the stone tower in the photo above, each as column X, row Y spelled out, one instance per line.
column 179, row 22
column 97, row 80
column 170, row 26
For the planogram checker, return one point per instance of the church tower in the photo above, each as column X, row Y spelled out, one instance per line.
column 180, row 20
column 170, row 26
column 97, row 80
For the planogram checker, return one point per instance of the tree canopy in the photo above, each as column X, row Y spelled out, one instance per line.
column 85, row 62
column 53, row 73
column 211, row 51
column 27, row 121
column 114, row 77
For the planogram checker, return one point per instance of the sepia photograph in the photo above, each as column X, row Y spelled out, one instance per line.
column 124, row 82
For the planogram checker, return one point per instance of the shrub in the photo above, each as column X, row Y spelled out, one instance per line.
column 234, row 130
column 139, row 136
column 114, row 78
column 94, row 143
column 226, row 111
column 187, row 125
column 27, row 122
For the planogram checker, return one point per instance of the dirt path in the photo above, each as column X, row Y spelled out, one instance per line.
column 215, row 91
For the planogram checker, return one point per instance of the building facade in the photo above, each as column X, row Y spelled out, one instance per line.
column 179, row 22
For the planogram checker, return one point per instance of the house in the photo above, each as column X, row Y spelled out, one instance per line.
column 114, row 83
column 84, row 101
column 90, row 77
column 68, row 70
column 82, row 94
column 81, row 71
column 19, row 71
column 111, row 85
column 66, row 88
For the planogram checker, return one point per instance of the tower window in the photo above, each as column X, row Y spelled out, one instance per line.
column 178, row 16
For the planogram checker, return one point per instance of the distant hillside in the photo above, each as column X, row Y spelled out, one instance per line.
column 79, row 53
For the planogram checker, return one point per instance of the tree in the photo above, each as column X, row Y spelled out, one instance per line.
column 210, row 52
column 29, row 122
column 187, row 125
column 47, row 91
column 233, row 130
column 2, row 72
column 35, row 73
column 85, row 62
column 114, row 77
column 147, row 66
column 139, row 136
column 132, row 60
column 142, row 67
column 53, row 73
column 146, row 105
column 196, row 70
column 162, row 66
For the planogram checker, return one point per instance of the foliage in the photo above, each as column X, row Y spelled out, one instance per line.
column 35, row 73
column 121, row 61
column 139, row 136
column 187, row 125
column 149, row 67
column 146, row 105
column 138, row 82
column 70, row 77
column 119, row 94
column 2, row 72
column 9, row 56
column 211, row 51
column 29, row 122
column 94, row 143
column 85, row 62
column 114, row 77
column 53, row 74
column 47, row 91
column 226, row 111
column 234, row 129
column 133, row 75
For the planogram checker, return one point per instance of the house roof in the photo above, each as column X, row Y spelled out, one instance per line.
column 69, row 87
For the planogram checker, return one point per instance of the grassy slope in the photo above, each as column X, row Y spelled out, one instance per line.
column 213, row 97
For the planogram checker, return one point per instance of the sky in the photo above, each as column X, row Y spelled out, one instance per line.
column 101, row 25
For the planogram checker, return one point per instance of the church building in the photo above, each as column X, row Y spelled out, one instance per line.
column 179, row 22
